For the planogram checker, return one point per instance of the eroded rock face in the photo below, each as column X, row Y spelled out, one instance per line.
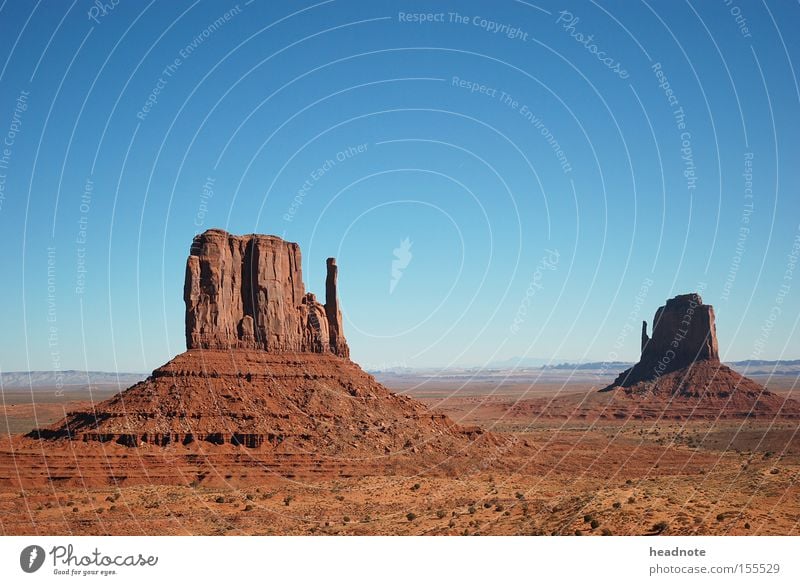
column 684, row 333
column 247, row 292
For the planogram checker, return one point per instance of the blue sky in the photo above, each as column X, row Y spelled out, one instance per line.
column 543, row 179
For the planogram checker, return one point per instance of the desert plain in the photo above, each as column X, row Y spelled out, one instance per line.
column 567, row 464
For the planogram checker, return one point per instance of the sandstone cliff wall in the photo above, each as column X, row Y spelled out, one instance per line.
column 247, row 292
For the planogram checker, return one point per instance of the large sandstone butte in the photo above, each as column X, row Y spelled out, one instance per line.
column 247, row 292
column 266, row 368
column 684, row 332
column 680, row 367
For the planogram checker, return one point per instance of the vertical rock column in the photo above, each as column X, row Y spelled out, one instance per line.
column 337, row 343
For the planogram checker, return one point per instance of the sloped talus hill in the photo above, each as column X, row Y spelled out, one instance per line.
column 290, row 402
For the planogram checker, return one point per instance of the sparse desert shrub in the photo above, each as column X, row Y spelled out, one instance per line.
column 411, row 516
column 346, row 518
column 472, row 510
column 248, row 497
column 440, row 514
column 487, row 505
column 220, row 500
column 660, row 526
column 451, row 524
column 774, row 471
column 499, row 508
column 248, row 508
column 578, row 533
column 340, row 498
column 747, row 526
column 287, row 500
column 520, row 496
column 594, row 524
column 617, row 505
column 631, row 500
column 74, row 510
column 605, row 532
column 588, row 518
column 415, row 487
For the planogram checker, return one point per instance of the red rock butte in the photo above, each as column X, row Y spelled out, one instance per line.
column 684, row 332
column 247, row 292
column 266, row 368
column 680, row 374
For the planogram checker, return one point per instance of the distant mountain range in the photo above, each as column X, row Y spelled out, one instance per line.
column 76, row 378
column 520, row 367
column 67, row 378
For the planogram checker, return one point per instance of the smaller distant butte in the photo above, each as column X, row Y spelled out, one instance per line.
column 680, row 365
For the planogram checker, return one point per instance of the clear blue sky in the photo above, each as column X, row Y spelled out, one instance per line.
column 536, row 206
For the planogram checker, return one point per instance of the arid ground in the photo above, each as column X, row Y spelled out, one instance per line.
column 567, row 472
